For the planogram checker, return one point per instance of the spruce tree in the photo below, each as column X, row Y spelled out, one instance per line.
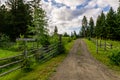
column 84, row 26
column 20, row 18
column 97, row 27
column 91, row 27
column 102, row 25
column 117, row 30
column 111, row 24
column 39, row 27
column 55, row 30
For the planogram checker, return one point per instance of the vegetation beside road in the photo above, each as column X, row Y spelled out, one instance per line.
column 102, row 55
column 41, row 71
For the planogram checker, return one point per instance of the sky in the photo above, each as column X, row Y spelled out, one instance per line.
column 68, row 14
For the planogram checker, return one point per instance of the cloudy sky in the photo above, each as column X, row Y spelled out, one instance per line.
column 67, row 14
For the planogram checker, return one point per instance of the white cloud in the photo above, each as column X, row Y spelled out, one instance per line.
column 69, row 19
column 71, row 3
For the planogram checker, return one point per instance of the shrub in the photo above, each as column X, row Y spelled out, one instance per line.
column 4, row 40
column 115, row 57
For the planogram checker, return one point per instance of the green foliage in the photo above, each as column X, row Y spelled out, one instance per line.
column 4, row 41
column 104, row 56
column 39, row 24
column 110, row 24
column 20, row 44
column 54, row 39
column 115, row 57
column 56, row 30
column 84, row 27
column 91, row 27
column 27, row 65
column 107, row 26
column 17, row 19
column 65, row 34
column 39, row 71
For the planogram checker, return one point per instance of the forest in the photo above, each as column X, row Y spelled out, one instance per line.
column 107, row 26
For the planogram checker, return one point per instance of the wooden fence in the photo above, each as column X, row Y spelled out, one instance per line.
column 101, row 44
column 41, row 54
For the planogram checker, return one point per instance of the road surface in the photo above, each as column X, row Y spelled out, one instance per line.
column 80, row 65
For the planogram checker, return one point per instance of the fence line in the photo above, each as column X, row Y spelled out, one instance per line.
column 1, row 59
column 41, row 54
column 100, row 44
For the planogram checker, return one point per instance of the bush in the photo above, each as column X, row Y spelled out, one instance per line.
column 115, row 57
column 4, row 40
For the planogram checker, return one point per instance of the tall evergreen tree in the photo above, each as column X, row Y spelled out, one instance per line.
column 84, row 26
column 56, row 30
column 20, row 18
column 91, row 27
column 97, row 28
column 39, row 23
column 3, row 14
column 102, row 25
column 111, row 24
column 117, row 30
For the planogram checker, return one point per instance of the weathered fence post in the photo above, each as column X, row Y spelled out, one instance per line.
column 25, row 47
column 100, row 43
column 110, row 46
column 97, row 45
column 60, row 47
column 26, row 62
column 60, row 38
column 105, row 45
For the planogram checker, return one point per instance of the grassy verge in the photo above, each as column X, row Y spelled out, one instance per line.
column 102, row 55
column 40, row 71
column 7, row 53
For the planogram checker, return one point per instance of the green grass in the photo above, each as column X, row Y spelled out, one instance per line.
column 40, row 71
column 14, row 50
column 102, row 55
column 7, row 53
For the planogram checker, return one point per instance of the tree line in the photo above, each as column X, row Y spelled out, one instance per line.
column 106, row 27
column 21, row 17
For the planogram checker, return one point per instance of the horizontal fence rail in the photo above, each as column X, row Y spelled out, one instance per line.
column 101, row 44
column 41, row 54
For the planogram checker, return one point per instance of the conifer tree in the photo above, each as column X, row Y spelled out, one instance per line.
column 91, row 27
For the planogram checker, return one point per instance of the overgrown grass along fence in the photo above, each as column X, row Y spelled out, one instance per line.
column 101, row 45
column 24, row 59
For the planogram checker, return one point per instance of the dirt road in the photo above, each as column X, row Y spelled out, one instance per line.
column 80, row 65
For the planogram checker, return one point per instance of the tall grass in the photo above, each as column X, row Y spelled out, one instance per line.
column 103, row 56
